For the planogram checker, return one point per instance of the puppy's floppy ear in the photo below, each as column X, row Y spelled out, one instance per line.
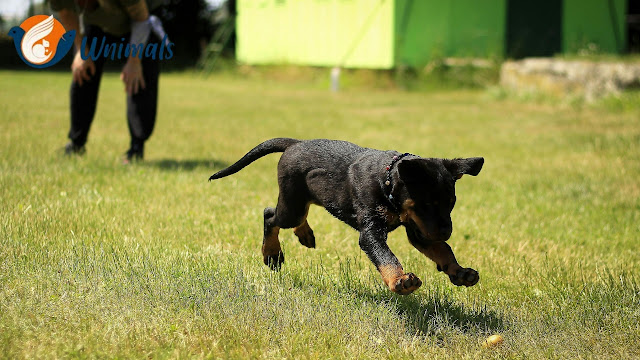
column 412, row 170
column 459, row 167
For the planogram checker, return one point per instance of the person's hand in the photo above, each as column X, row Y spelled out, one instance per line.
column 82, row 70
column 132, row 76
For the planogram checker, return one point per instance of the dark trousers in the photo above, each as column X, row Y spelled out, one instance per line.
column 141, row 107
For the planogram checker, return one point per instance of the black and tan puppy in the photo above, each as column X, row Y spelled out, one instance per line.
column 371, row 190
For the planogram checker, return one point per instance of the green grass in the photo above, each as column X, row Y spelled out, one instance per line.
column 151, row 260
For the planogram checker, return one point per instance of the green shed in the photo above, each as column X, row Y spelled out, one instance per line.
column 383, row 34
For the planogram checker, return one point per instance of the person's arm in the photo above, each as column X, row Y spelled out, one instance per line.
column 138, row 11
column 81, row 70
column 132, row 71
column 70, row 20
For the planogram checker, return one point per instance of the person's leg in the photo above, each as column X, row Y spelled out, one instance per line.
column 142, row 107
column 83, row 100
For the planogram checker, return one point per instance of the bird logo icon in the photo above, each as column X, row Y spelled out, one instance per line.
column 41, row 41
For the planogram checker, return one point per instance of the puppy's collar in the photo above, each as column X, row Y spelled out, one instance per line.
column 387, row 183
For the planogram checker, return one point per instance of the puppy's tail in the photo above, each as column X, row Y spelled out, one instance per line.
column 267, row 147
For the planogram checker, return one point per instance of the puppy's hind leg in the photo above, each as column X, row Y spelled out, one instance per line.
column 271, row 252
column 305, row 233
column 290, row 213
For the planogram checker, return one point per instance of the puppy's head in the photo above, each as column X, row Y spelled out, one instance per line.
column 430, row 194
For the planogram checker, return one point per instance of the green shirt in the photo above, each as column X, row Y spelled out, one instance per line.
column 110, row 15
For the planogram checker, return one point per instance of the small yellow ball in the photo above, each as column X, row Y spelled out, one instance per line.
column 494, row 341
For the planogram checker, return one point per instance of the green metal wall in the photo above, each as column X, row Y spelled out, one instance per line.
column 349, row 33
column 533, row 28
column 598, row 22
column 386, row 33
column 427, row 29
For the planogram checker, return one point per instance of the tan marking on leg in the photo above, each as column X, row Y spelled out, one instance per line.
column 441, row 253
column 303, row 230
column 390, row 274
column 305, row 235
column 397, row 281
column 271, row 243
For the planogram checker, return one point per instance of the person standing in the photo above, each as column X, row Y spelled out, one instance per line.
column 117, row 21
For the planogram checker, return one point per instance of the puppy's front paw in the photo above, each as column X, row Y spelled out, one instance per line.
column 465, row 276
column 274, row 261
column 405, row 284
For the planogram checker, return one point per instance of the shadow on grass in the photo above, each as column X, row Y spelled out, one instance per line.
column 430, row 314
column 430, row 311
column 187, row 164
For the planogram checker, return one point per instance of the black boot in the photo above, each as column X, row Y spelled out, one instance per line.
column 135, row 152
column 72, row 149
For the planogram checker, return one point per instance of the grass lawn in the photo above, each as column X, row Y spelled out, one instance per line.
column 101, row 260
